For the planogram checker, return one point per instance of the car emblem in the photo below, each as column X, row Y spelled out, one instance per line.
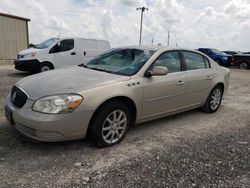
column 13, row 97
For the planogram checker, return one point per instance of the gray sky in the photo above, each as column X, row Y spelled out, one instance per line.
column 222, row 24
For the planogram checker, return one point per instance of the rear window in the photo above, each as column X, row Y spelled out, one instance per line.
column 194, row 61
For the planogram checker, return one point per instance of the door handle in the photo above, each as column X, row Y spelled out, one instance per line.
column 208, row 77
column 84, row 53
column 73, row 53
column 180, row 82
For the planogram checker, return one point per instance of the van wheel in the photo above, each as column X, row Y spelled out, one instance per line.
column 214, row 100
column 110, row 124
column 44, row 67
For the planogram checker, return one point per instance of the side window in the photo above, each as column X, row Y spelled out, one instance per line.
column 194, row 61
column 66, row 45
column 207, row 63
column 171, row 60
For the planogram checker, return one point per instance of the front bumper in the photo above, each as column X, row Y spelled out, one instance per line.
column 49, row 127
column 27, row 65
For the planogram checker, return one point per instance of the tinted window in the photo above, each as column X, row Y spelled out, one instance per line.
column 66, row 45
column 171, row 60
column 194, row 61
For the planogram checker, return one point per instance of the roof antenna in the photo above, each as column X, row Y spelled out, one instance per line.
column 59, row 35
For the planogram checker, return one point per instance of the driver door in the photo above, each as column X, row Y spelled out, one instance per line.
column 165, row 94
column 64, row 53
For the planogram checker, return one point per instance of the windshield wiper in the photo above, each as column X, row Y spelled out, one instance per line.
column 94, row 68
column 82, row 65
column 98, row 69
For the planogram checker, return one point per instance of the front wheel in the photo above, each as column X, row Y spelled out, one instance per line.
column 110, row 124
column 214, row 100
column 44, row 67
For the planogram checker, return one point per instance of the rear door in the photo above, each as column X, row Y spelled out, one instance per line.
column 199, row 77
column 165, row 94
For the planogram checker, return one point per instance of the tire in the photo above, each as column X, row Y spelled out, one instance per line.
column 44, row 67
column 243, row 66
column 214, row 100
column 106, row 130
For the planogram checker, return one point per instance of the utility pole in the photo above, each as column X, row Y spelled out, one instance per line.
column 152, row 42
column 168, row 37
column 142, row 10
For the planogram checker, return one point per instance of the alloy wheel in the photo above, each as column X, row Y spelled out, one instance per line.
column 114, row 126
column 215, row 99
column 243, row 66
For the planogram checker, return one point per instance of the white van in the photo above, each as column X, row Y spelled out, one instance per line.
column 59, row 52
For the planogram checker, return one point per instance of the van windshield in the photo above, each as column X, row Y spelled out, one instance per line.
column 120, row 61
column 46, row 43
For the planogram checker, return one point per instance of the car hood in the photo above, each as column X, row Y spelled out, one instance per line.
column 27, row 51
column 73, row 79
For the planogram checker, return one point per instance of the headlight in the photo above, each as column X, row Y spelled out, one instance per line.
column 29, row 55
column 58, row 103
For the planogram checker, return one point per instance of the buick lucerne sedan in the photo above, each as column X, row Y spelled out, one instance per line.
column 121, row 87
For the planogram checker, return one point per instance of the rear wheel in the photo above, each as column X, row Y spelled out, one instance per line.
column 243, row 66
column 44, row 67
column 110, row 124
column 214, row 100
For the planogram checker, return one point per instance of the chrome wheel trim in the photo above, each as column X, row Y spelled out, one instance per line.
column 45, row 68
column 243, row 66
column 114, row 126
column 215, row 99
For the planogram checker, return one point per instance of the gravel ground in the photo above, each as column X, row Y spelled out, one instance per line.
column 191, row 149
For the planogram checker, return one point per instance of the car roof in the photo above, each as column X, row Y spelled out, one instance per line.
column 152, row 47
column 62, row 38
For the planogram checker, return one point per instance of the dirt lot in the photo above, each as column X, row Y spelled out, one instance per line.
column 191, row 149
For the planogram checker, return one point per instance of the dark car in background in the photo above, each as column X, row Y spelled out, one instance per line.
column 242, row 60
column 232, row 52
column 220, row 57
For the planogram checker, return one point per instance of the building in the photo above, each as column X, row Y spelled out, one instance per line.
column 14, row 35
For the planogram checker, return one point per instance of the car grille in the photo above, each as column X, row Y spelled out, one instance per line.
column 19, row 56
column 39, row 134
column 18, row 97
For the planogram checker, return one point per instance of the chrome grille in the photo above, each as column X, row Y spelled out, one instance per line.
column 18, row 97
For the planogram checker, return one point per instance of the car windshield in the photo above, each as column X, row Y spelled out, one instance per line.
column 215, row 51
column 120, row 61
column 46, row 43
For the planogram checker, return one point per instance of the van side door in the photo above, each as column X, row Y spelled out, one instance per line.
column 87, row 50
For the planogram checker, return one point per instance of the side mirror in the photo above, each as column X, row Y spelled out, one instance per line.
column 157, row 71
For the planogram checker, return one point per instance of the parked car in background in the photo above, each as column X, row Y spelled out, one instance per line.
column 113, row 91
column 220, row 57
column 239, row 59
column 232, row 52
column 59, row 52
column 242, row 61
